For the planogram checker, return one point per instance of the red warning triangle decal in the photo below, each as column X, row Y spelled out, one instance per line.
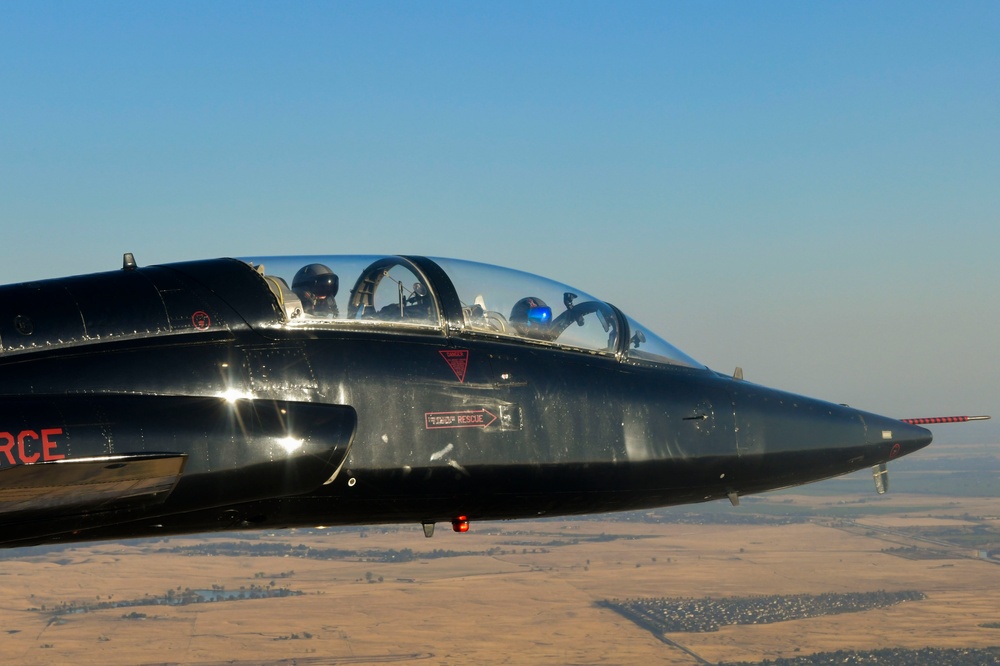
column 457, row 360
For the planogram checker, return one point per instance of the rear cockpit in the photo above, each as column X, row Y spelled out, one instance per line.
column 454, row 297
column 384, row 291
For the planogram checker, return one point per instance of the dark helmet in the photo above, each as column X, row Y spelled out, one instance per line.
column 316, row 279
column 531, row 316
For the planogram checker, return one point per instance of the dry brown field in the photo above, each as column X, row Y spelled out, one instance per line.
column 534, row 604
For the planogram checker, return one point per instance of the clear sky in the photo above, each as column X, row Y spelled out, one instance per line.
column 810, row 190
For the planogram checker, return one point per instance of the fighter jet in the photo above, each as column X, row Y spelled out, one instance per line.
column 255, row 393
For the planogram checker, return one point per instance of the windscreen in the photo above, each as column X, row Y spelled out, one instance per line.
column 644, row 345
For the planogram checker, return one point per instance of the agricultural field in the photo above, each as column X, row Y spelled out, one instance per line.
column 518, row 592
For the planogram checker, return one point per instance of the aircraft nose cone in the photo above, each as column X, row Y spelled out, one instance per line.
column 894, row 438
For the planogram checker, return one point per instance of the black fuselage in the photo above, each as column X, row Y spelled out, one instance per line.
column 423, row 426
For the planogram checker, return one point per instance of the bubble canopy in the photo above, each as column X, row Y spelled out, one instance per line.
column 457, row 297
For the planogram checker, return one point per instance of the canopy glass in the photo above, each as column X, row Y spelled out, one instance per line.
column 459, row 297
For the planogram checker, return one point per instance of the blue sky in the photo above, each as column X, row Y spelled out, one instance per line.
column 808, row 190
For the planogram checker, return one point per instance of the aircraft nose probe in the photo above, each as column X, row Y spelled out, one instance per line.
column 881, row 474
column 944, row 419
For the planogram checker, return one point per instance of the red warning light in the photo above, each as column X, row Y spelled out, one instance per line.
column 460, row 524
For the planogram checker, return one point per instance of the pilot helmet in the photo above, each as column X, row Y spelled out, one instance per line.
column 531, row 316
column 317, row 280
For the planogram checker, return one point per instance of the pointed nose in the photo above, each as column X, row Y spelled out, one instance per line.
column 892, row 438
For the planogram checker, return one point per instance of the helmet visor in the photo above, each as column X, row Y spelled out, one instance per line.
column 325, row 285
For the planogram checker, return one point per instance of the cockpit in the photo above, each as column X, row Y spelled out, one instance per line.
column 455, row 297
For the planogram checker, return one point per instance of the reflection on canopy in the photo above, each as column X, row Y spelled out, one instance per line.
column 410, row 293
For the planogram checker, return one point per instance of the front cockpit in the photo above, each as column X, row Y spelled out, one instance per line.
column 455, row 297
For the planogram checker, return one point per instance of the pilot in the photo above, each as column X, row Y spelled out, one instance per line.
column 531, row 317
column 316, row 285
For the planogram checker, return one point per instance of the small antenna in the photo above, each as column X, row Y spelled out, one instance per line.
column 128, row 262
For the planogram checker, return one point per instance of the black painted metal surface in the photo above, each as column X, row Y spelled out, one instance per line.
column 280, row 423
